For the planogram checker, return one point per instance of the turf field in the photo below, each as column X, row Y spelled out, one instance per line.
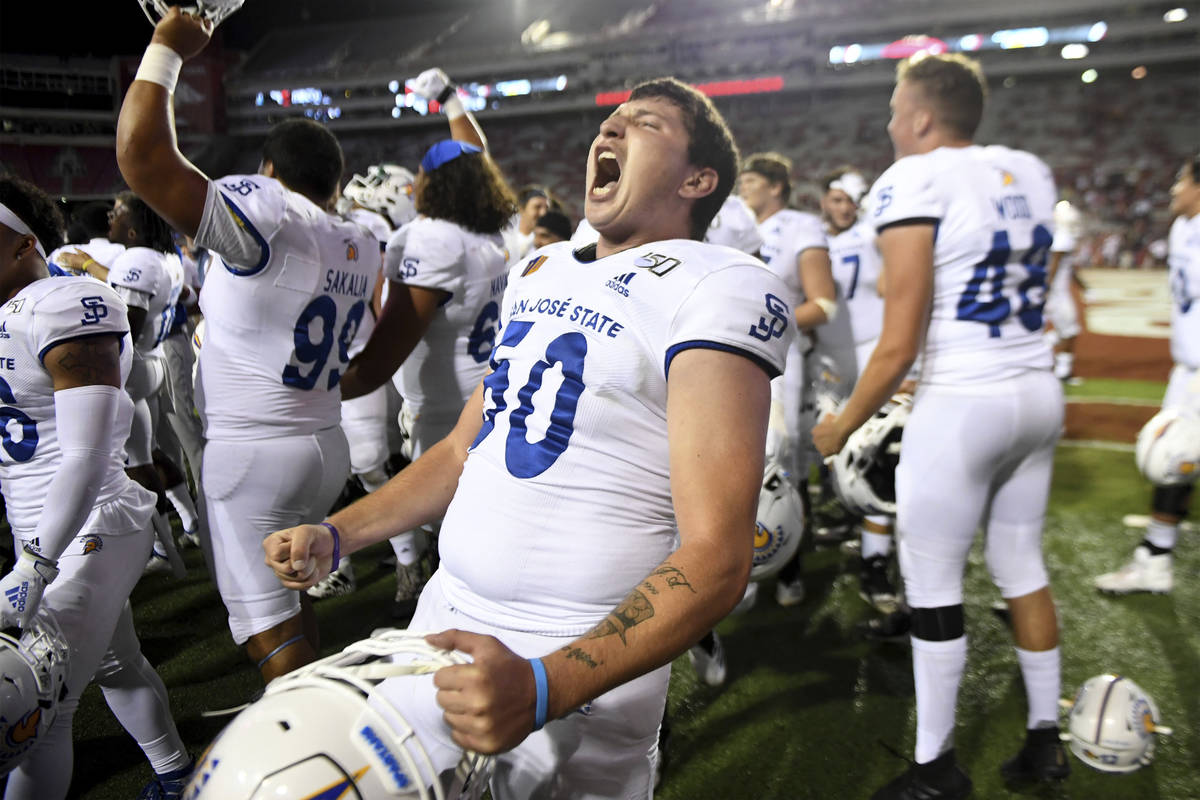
column 807, row 702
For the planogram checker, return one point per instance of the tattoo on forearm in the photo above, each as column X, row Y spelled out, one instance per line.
column 576, row 654
column 649, row 587
column 674, row 577
column 634, row 609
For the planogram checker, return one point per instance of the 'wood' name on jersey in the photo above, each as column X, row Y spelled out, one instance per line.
column 575, row 425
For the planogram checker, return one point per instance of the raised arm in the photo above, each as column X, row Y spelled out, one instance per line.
column 717, row 411
column 147, row 152
column 433, row 84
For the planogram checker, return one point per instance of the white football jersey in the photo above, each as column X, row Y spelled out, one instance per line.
column 373, row 221
column 100, row 250
column 992, row 210
column 564, row 503
column 157, row 275
column 288, row 289
column 46, row 313
column 1183, row 260
column 786, row 234
column 856, row 267
column 452, row 357
column 734, row 226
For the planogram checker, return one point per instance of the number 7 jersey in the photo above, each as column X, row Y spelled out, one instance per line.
column 281, row 307
column 992, row 211
column 564, row 503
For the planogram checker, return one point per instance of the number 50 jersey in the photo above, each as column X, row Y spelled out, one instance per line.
column 281, row 307
column 992, row 209
column 564, row 503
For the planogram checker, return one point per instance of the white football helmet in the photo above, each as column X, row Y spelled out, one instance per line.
column 33, row 680
column 1168, row 448
column 215, row 11
column 1113, row 723
column 313, row 734
column 779, row 525
column 864, row 472
column 394, row 194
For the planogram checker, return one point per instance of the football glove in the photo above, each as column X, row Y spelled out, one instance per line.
column 433, row 84
column 21, row 590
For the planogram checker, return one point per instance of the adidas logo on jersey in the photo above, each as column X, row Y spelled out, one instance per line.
column 17, row 595
column 620, row 283
column 4, row 330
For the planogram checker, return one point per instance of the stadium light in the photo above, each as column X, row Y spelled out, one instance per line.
column 1073, row 51
column 1097, row 32
column 1089, row 76
column 1175, row 15
column 1138, row 73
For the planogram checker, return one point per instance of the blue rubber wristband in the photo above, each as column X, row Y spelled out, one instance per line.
column 543, row 693
column 337, row 545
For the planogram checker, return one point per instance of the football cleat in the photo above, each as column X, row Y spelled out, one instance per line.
column 875, row 586
column 1144, row 573
column 1113, row 723
column 157, row 564
column 708, row 659
column 1041, row 758
column 789, row 592
column 410, row 580
column 940, row 779
column 189, row 539
column 168, row 785
column 894, row 627
column 335, row 584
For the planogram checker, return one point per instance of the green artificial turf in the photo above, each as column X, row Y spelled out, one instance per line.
column 807, row 702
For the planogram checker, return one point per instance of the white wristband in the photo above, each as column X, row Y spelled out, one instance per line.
column 160, row 65
column 453, row 108
column 828, row 306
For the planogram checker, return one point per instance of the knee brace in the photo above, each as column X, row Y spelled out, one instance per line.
column 938, row 624
column 1172, row 500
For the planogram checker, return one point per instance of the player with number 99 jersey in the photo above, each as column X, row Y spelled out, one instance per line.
column 575, row 424
column 281, row 309
column 993, row 210
column 452, row 357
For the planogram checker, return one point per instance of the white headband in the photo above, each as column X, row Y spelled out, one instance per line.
column 852, row 184
column 13, row 221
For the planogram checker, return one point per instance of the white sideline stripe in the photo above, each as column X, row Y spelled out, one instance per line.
column 1142, row 520
column 1113, row 401
column 1096, row 444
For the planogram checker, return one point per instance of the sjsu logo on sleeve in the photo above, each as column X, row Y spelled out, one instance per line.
column 772, row 328
column 94, row 310
column 885, row 200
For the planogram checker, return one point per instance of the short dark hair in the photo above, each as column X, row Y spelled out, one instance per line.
column 555, row 222
column 775, row 167
column 307, row 158
column 710, row 143
column 1193, row 166
column 35, row 208
column 152, row 230
column 468, row 190
column 953, row 84
column 530, row 191
column 88, row 221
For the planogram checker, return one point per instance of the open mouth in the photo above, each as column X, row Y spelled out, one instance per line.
column 608, row 174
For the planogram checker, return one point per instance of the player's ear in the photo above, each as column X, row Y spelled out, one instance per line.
column 699, row 183
column 922, row 121
column 266, row 169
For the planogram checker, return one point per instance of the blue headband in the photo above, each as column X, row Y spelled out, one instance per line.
column 445, row 150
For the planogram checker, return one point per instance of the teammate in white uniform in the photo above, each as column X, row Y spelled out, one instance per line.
column 1060, row 305
column 281, row 308
column 627, row 402
column 964, row 234
column 1151, row 569
column 796, row 249
column 532, row 203
column 80, row 525
column 856, row 268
